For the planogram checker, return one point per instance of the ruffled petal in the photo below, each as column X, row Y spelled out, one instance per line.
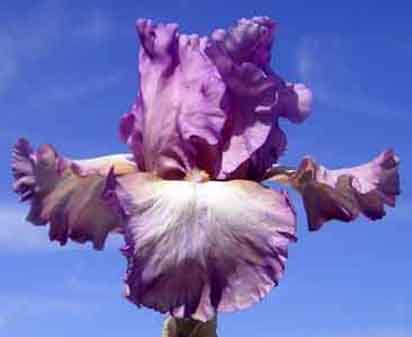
column 256, row 98
column 177, row 118
column 131, row 132
column 67, row 194
column 295, row 102
column 344, row 194
column 210, row 103
column 191, row 255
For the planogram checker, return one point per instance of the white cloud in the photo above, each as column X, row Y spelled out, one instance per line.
column 73, row 91
column 18, row 308
column 32, row 35
column 327, row 63
column 8, row 61
column 402, row 212
column 375, row 332
column 18, row 236
column 25, row 37
column 80, row 286
column 35, row 305
column 3, row 322
column 96, row 25
column 71, row 296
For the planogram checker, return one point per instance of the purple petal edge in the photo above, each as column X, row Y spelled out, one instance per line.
column 344, row 194
column 59, row 195
column 187, row 263
column 216, row 103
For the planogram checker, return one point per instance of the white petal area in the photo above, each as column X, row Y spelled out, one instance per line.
column 196, row 248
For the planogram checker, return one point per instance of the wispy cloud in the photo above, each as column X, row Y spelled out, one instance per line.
column 375, row 332
column 8, row 61
column 17, row 308
column 72, row 296
column 81, row 286
column 73, row 91
column 403, row 212
column 328, row 63
column 32, row 35
column 18, row 236
column 26, row 37
column 96, row 25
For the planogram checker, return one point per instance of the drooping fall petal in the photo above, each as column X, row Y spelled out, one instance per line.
column 346, row 193
column 67, row 194
column 196, row 248
column 202, row 234
column 210, row 103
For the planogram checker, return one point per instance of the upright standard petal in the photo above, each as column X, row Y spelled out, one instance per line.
column 191, row 255
column 176, row 121
column 256, row 97
column 345, row 193
column 67, row 194
column 210, row 103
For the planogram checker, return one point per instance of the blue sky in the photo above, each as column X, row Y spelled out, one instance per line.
column 67, row 73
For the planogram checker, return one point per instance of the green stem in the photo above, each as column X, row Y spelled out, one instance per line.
column 177, row 327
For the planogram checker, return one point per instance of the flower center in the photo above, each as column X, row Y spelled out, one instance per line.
column 198, row 176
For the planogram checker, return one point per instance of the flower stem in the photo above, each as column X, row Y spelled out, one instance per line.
column 179, row 327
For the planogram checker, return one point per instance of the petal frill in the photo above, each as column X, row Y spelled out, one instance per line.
column 67, row 194
column 210, row 103
column 197, row 248
column 177, row 119
column 344, row 194
column 256, row 98
column 131, row 132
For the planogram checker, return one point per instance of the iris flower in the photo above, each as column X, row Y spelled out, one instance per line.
column 203, row 234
